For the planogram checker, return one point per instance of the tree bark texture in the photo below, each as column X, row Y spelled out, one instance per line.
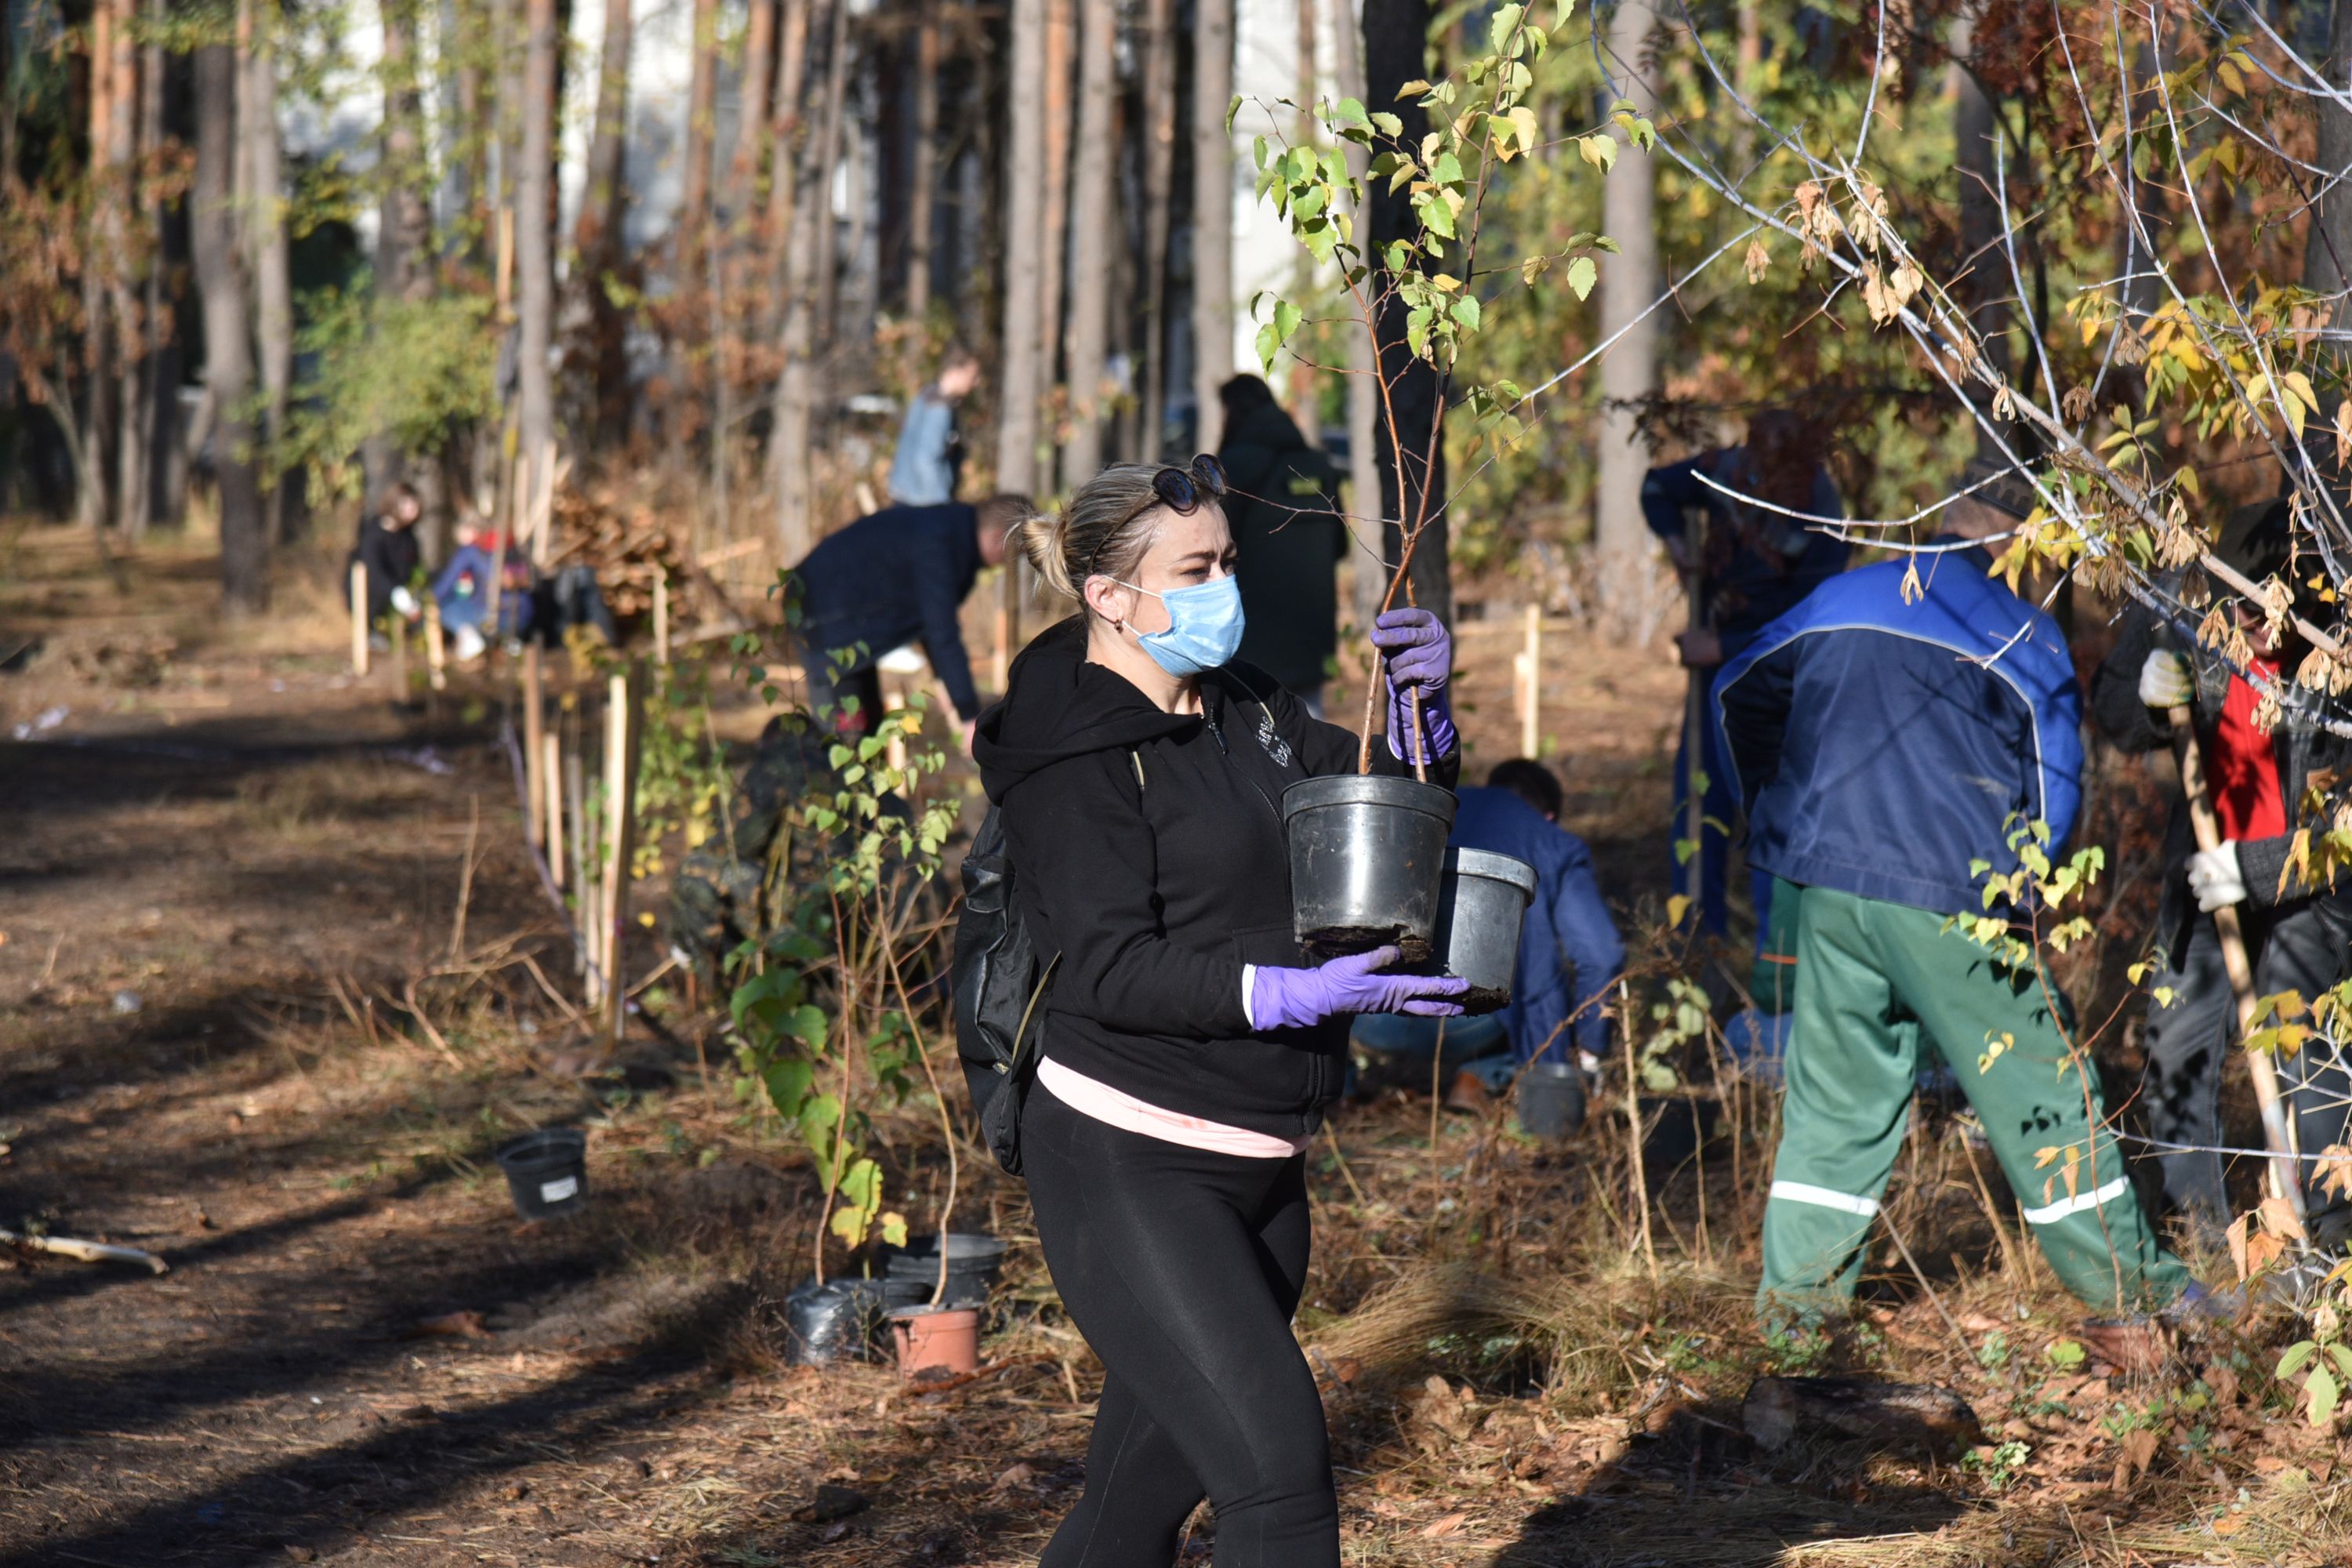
column 536, row 286
column 100, row 259
column 228, row 359
column 1983, row 285
column 1093, row 224
column 1213, row 201
column 597, row 238
column 1025, row 222
column 1629, row 371
column 790, row 443
column 2327, row 246
column 263, row 212
column 134, row 259
column 702, row 114
column 751, row 113
column 786, row 131
column 1368, row 555
column 923, row 174
column 1412, row 490
column 1157, row 50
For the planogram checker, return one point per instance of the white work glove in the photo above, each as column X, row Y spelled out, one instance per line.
column 2215, row 878
column 404, row 602
column 2166, row 680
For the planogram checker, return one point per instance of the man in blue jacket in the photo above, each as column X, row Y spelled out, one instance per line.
column 1883, row 748
column 930, row 454
column 889, row 579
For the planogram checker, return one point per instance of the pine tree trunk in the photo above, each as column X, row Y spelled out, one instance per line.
column 1052, row 259
column 751, row 111
column 788, row 450
column 536, row 286
column 1305, row 383
column 132, row 260
column 1212, row 209
column 2327, row 246
column 820, row 218
column 158, row 423
column 701, row 113
column 785, row 131
column 1368, row 555
column 1629, row 371
column 266, row 256
column 100, row 258
column 1158, row 48
column 1092, row 225
column 922, row 172
column 1024, row 220
column 597, row 238
column 1412, row 455
column 1986, row 283
column 229, row 360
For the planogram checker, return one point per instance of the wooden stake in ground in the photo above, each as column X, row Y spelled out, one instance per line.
column 895, row 748
column 2285, row 1180
column 550, row 777
column 1695, row 721
column 583, row 894
column 661, row 620
column 620, row 790
column 359, row 620
column 1530, row 663
column 533, row 729
column 436, row 652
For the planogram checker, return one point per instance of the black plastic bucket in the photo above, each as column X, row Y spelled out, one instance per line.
column 1551, row 1100
column 547, row 1172
column 1366, row 854
column 834, row 1321
column 1482, row 901
column 974, row 1261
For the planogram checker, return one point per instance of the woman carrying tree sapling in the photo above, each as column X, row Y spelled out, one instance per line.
column 1187, row 1055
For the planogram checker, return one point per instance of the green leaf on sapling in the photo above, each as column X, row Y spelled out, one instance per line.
column 1582, row 275
column 1388, row 124
column 1466, row 311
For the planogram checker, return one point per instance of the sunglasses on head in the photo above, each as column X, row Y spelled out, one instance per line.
column 1183, row 491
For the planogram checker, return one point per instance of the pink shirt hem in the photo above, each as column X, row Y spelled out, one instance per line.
column 1089, row 1096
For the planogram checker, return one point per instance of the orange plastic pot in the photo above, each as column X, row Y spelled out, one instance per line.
column 936, row 1341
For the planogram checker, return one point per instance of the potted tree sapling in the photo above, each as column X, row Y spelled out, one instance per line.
column 1368, row 857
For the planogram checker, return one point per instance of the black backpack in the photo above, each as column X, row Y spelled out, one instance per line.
column 1000, row 990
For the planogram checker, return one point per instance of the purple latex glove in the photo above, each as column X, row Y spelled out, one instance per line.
column 1293, row 998
column 1420, row 656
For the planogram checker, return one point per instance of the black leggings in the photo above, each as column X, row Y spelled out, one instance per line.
column 1183, row 1269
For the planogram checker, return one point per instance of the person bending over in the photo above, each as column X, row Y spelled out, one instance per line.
column 1188, row 1052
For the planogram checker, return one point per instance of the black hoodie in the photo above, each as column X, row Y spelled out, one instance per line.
column 1148, row 850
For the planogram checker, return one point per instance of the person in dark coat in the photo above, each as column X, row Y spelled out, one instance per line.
column 2298, row 936
column 1754, row 564
column 1283, row 511
column 387, row 547
column 1189, row 1047
column 889, row 579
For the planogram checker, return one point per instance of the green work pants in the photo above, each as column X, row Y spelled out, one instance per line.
column 1872, row 978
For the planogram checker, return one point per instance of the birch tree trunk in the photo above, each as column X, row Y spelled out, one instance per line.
column 1158, row 48
column 1092, row 226
column 1629, row 371
column 536, row 289
column 1212, row 210
column 1025, row 222
column 228, row 359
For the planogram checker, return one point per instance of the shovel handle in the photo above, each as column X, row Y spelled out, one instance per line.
column 2285, row 1175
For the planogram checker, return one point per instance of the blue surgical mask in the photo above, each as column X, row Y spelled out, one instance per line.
column 1204, row 626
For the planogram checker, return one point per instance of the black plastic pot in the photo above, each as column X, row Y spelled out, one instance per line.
column 1482, row 900
column 1678, row 1125
column 547, row 1172
column 834, row 1321
column 974, row 1261
column 1551, row 1100
column 1367, row 853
